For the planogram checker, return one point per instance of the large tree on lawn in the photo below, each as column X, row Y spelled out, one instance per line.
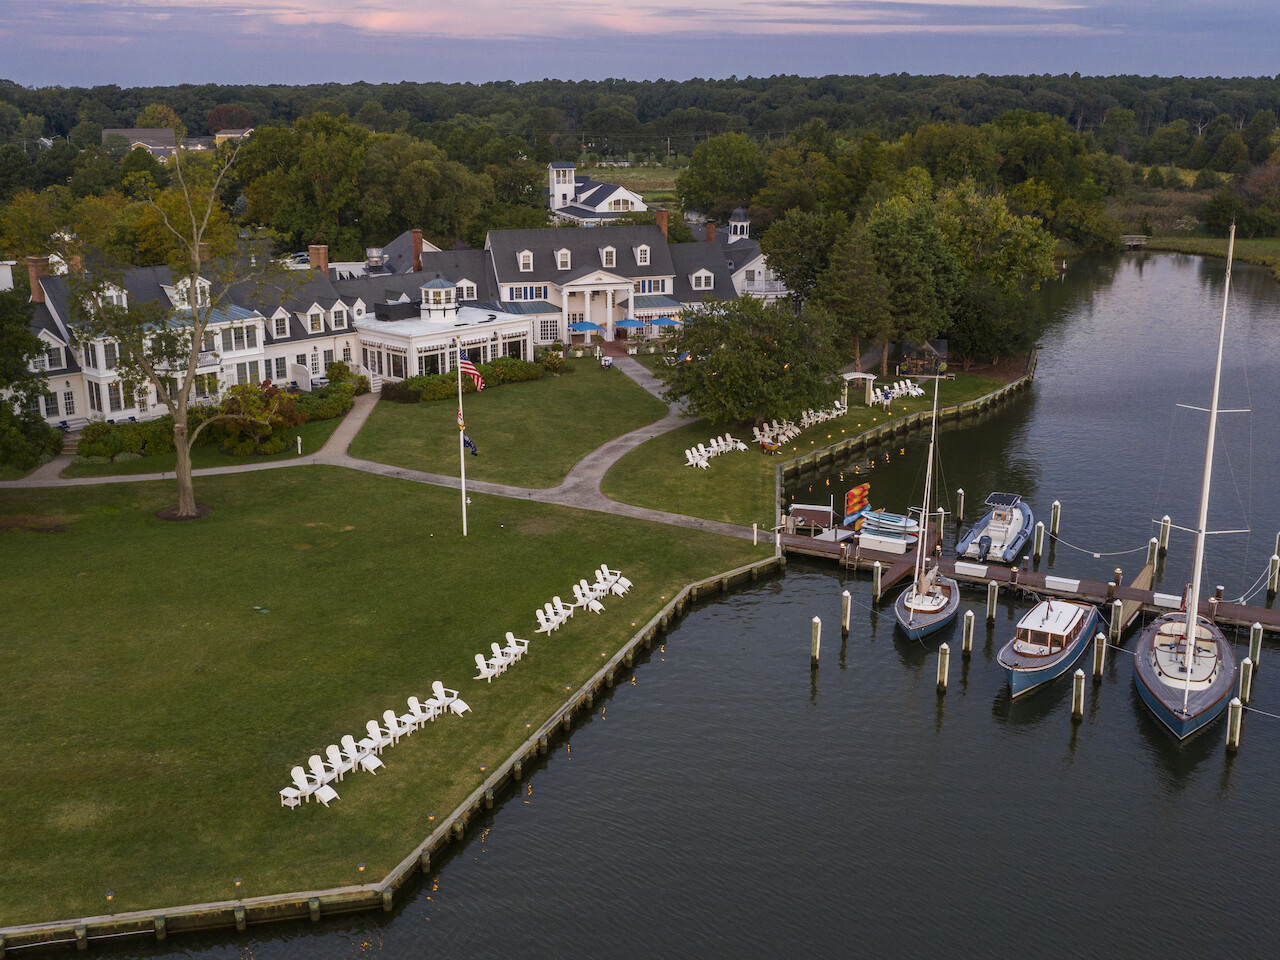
column 749, row 362
column 159, row 344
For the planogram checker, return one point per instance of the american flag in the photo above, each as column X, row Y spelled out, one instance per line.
column 469, row 368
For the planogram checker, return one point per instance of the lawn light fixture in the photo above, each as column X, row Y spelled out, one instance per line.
column 360, row 867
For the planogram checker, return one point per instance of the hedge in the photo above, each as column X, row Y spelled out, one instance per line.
column 442, row 386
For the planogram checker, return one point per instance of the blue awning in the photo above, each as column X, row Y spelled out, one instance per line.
column 581, row 326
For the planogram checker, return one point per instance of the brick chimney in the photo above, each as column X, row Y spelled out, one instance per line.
column 711, row 231
column 318, row 257
column 661, row 217
column 37, row 267
column 417, row 250
column 203, row 249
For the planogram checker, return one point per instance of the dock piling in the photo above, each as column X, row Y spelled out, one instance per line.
column 1165, row 524
column 942, row 524
column 1255, row 643
column 1234, row 711
column 846, row 604
column 755, row 534
column 1246, row 680
column 960, row 506
column 1077, row 695
column 1117, row 619
column 1153, row 547
column 1055, row 516
column 1273, row 575
column 876, row 572
column 993, row 590
column 815, row 643
column 1099, row 654
column 1038, row 542
column 944, row 664
column 966, row 644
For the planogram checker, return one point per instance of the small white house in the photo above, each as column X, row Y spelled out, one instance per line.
column 579, row 199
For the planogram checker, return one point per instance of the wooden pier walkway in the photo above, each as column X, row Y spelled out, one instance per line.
column 1136, row 599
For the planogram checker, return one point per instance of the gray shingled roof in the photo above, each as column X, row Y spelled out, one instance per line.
column 584, row 246
column 688, row 259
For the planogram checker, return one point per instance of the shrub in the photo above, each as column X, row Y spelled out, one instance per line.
column 362, row 384
column 440, row 387
column 332, row 401
column 400, row 392
column 337, row 372
column 24, row 440
column 123, row 457
column 274, row 445
column 552, row 362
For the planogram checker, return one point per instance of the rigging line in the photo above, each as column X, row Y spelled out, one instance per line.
column 1273, row 716
column 1251, row 591
column 1094, row 553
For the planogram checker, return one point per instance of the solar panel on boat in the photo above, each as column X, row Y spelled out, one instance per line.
column 1003, row 499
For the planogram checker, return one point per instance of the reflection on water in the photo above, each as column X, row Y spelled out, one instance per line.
column 734, row 801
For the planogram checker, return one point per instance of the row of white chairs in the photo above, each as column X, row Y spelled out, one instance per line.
column 502, row 658
column 775, row 432
column 812, row 418
column 701, row 455
column 901, row 388
column 316, row 780
column 555, row 613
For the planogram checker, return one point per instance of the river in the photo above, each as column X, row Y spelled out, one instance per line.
column 729, row 801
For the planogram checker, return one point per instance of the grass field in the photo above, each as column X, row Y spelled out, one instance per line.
column 163, row 678
column 655, row 184
column 527, row 434
column 313, row 436
column 739, row 487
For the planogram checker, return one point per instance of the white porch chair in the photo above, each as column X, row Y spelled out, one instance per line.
column 360, row 757
column 379, row 738
column 396, row 727
column 486, row 671
column 449, row 698
column 337, row 762
column 515, row 648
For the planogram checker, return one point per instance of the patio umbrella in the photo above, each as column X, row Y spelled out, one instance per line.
column 581, row 326
column 630, row 324
column 665, row 322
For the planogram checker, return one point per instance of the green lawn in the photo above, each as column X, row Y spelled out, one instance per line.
column 527, row 434
column 162, row 678
column 10, row 472
column 1261, row 250
column 739, row 487
column 313, row 436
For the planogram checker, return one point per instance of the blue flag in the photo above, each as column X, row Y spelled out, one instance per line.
column 470, row 445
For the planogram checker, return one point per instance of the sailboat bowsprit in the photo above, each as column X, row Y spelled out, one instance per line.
column 1185, row 675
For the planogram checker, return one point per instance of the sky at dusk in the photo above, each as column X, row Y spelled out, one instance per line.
column 144, row 42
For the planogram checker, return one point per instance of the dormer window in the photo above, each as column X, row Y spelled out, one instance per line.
column 620, row 205
column 339, row 318
column 701, row 280
column 563, row 260
column 607, row 257
column 642, row 255
column 280, row 327
column 526, row 261
column 466, row 291
column 316, row 321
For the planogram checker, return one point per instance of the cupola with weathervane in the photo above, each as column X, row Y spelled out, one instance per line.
column 739, row 225
column 439, row 301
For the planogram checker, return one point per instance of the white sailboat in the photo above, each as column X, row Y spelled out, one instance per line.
column 931, row 601
column 1186, row 676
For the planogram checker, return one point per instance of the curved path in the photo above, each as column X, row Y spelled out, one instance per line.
column 579, row 489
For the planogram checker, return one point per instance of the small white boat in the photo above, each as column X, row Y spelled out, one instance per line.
column 1000, row 533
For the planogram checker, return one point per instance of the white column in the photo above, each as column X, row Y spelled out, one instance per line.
column 564, row 316
column 608, row 314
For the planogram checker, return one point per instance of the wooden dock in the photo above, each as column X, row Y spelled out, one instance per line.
column 1137, row 598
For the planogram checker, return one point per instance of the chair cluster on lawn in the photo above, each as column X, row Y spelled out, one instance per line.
column 502, row 658
column 901, row 388
column 585, row 595
column 700, row 455
column 363, row 754
column 811, row 418
column 775, row 432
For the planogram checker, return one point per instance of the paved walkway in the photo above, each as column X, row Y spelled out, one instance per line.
column 579, row 489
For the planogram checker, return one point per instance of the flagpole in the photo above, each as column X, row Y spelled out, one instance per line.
column 462, row 450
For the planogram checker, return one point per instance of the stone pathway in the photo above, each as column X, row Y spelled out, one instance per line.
column 580, row 489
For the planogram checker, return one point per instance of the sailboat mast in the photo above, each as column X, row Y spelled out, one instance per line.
column 922, row 546
column 1193, row 601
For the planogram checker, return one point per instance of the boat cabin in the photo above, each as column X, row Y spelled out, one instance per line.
column 1048, row 628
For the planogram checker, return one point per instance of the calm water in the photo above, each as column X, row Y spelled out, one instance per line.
column 729, row 801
